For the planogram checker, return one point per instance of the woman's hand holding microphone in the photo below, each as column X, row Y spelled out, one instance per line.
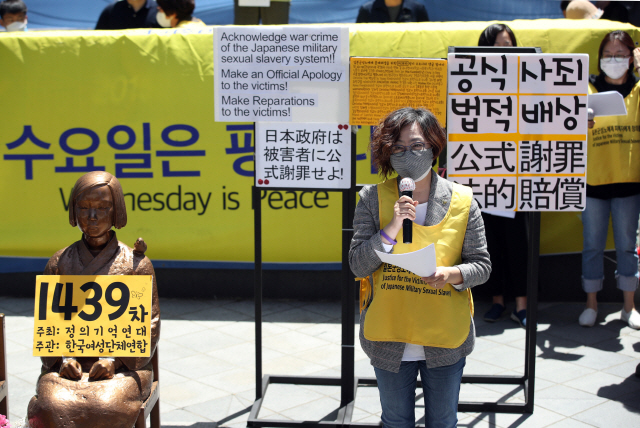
column 405, row 207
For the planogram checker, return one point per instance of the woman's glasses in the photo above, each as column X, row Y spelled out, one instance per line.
column 399, row 150
column 615, row 58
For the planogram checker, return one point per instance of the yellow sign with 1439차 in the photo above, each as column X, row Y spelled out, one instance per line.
column 92, row 316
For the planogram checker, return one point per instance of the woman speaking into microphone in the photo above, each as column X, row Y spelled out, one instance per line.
column 408, row 324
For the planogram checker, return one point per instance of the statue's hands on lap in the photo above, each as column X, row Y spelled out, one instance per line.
column 70, row 369
column 102, row 369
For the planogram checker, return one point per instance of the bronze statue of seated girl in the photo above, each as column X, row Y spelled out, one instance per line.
column 88, row 392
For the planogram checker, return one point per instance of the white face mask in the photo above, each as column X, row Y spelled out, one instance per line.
column 162, row 19
column 17, row 26
column 614, row 70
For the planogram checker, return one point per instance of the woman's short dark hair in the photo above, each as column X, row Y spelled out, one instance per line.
column 489, row 35
column 96, row 179
column 624, row 38
column 182, row 8
column 388, row 131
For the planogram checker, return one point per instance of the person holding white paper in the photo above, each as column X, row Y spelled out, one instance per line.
column 408, row 324
column 613, row 180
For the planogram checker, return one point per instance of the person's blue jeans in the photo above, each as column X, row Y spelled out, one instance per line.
column 441, row 387
column 595, row 223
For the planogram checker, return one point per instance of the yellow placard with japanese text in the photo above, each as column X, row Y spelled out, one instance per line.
column 92, row 316
column 381, row 85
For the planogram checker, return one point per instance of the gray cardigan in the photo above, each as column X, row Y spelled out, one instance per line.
column 475, row 267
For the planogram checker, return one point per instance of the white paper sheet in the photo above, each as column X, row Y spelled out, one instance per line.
column 421, row 262
column 608, row 103
column 255, row 3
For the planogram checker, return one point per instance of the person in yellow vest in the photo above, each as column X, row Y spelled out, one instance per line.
column 613, row 180
column 177, row 14
column 408, row 324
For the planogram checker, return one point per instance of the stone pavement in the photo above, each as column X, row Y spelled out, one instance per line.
column 585, row 376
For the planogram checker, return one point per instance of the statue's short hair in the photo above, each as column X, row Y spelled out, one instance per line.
column 97, row 179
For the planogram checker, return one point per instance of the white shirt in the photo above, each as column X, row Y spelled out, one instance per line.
column 413, row 352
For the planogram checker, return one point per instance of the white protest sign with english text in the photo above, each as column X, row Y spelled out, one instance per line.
column 281, row 74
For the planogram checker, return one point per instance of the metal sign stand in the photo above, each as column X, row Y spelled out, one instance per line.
column 346, row 380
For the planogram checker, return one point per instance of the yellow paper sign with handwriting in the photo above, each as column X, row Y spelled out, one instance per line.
column 92, row 316
column 382, row 85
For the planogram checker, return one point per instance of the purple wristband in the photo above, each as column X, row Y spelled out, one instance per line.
column 388, row 238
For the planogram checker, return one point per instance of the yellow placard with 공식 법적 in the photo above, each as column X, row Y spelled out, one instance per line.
column 92, row 316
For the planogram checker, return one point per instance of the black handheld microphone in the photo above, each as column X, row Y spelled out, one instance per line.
column 407, row 186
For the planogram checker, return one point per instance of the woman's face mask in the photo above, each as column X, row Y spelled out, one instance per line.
column 615, row 59
column 416, row 160
column 614, row 70
column 17, row 26
column 415, row 165
column 162, row 19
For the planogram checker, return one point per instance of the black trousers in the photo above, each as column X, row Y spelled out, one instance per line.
column 507, row 245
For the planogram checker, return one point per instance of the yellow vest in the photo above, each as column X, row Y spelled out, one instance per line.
column 613, row 149
column 194, row 23
column 405, row 309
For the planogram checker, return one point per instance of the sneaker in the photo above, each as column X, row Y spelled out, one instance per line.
column 495, row 313
column 632, row 318
column 588, row 317
column 520, row 317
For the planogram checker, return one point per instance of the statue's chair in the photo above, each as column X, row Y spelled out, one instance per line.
column 152, row 404
column 4, row 388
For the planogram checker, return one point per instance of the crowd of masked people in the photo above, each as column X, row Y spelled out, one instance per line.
column 124, row 14
column 119, row 15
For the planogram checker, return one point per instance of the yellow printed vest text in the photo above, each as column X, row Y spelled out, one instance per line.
column 613, row 150
column 405, row 309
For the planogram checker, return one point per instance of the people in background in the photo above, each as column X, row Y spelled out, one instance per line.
column 277, row 13
column 392, row 11
column 613, row 180
column 506, row 231
column 582, row 9
column 125, row 14
column 177, row 13
column 613, row 11
column 13, row 15
column 497, row 35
